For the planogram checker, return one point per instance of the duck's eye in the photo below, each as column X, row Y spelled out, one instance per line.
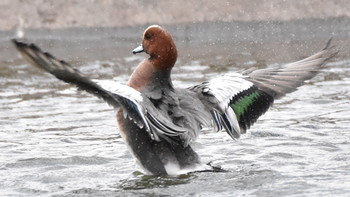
column 148, row 36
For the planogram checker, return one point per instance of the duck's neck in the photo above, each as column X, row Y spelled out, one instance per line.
column 154, row 72
column 148, row 75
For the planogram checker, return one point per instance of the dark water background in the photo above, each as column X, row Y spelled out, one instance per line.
column 57, row 141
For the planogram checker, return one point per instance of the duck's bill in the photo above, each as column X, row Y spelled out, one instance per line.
column 139, row 49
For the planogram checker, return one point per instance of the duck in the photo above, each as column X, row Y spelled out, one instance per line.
column 158, row 121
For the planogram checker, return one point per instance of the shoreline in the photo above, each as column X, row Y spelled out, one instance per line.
column 122, row 13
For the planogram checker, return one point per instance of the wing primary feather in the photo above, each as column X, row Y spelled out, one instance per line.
column 122, row 96
column 278, row 81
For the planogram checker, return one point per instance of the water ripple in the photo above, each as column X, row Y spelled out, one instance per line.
column 56, row 141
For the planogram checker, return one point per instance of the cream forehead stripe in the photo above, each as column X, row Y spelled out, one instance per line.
column 150, row 28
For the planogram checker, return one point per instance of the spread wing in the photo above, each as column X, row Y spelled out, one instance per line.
column 278, row 81
column 134, row 105
column 236, row 101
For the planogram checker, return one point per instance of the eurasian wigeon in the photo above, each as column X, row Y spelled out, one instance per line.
column 158, row 121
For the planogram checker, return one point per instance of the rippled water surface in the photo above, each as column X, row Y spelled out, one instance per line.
column 55, row 140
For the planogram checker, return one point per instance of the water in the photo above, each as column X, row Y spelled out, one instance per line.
column 57, row 141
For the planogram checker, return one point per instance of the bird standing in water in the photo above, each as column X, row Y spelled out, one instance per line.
column 158, row 121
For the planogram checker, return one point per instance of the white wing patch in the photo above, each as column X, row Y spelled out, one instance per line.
column 120, row 89
column 143, row 113
column 227, row 86
column 128, row 94
column 219, row 92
